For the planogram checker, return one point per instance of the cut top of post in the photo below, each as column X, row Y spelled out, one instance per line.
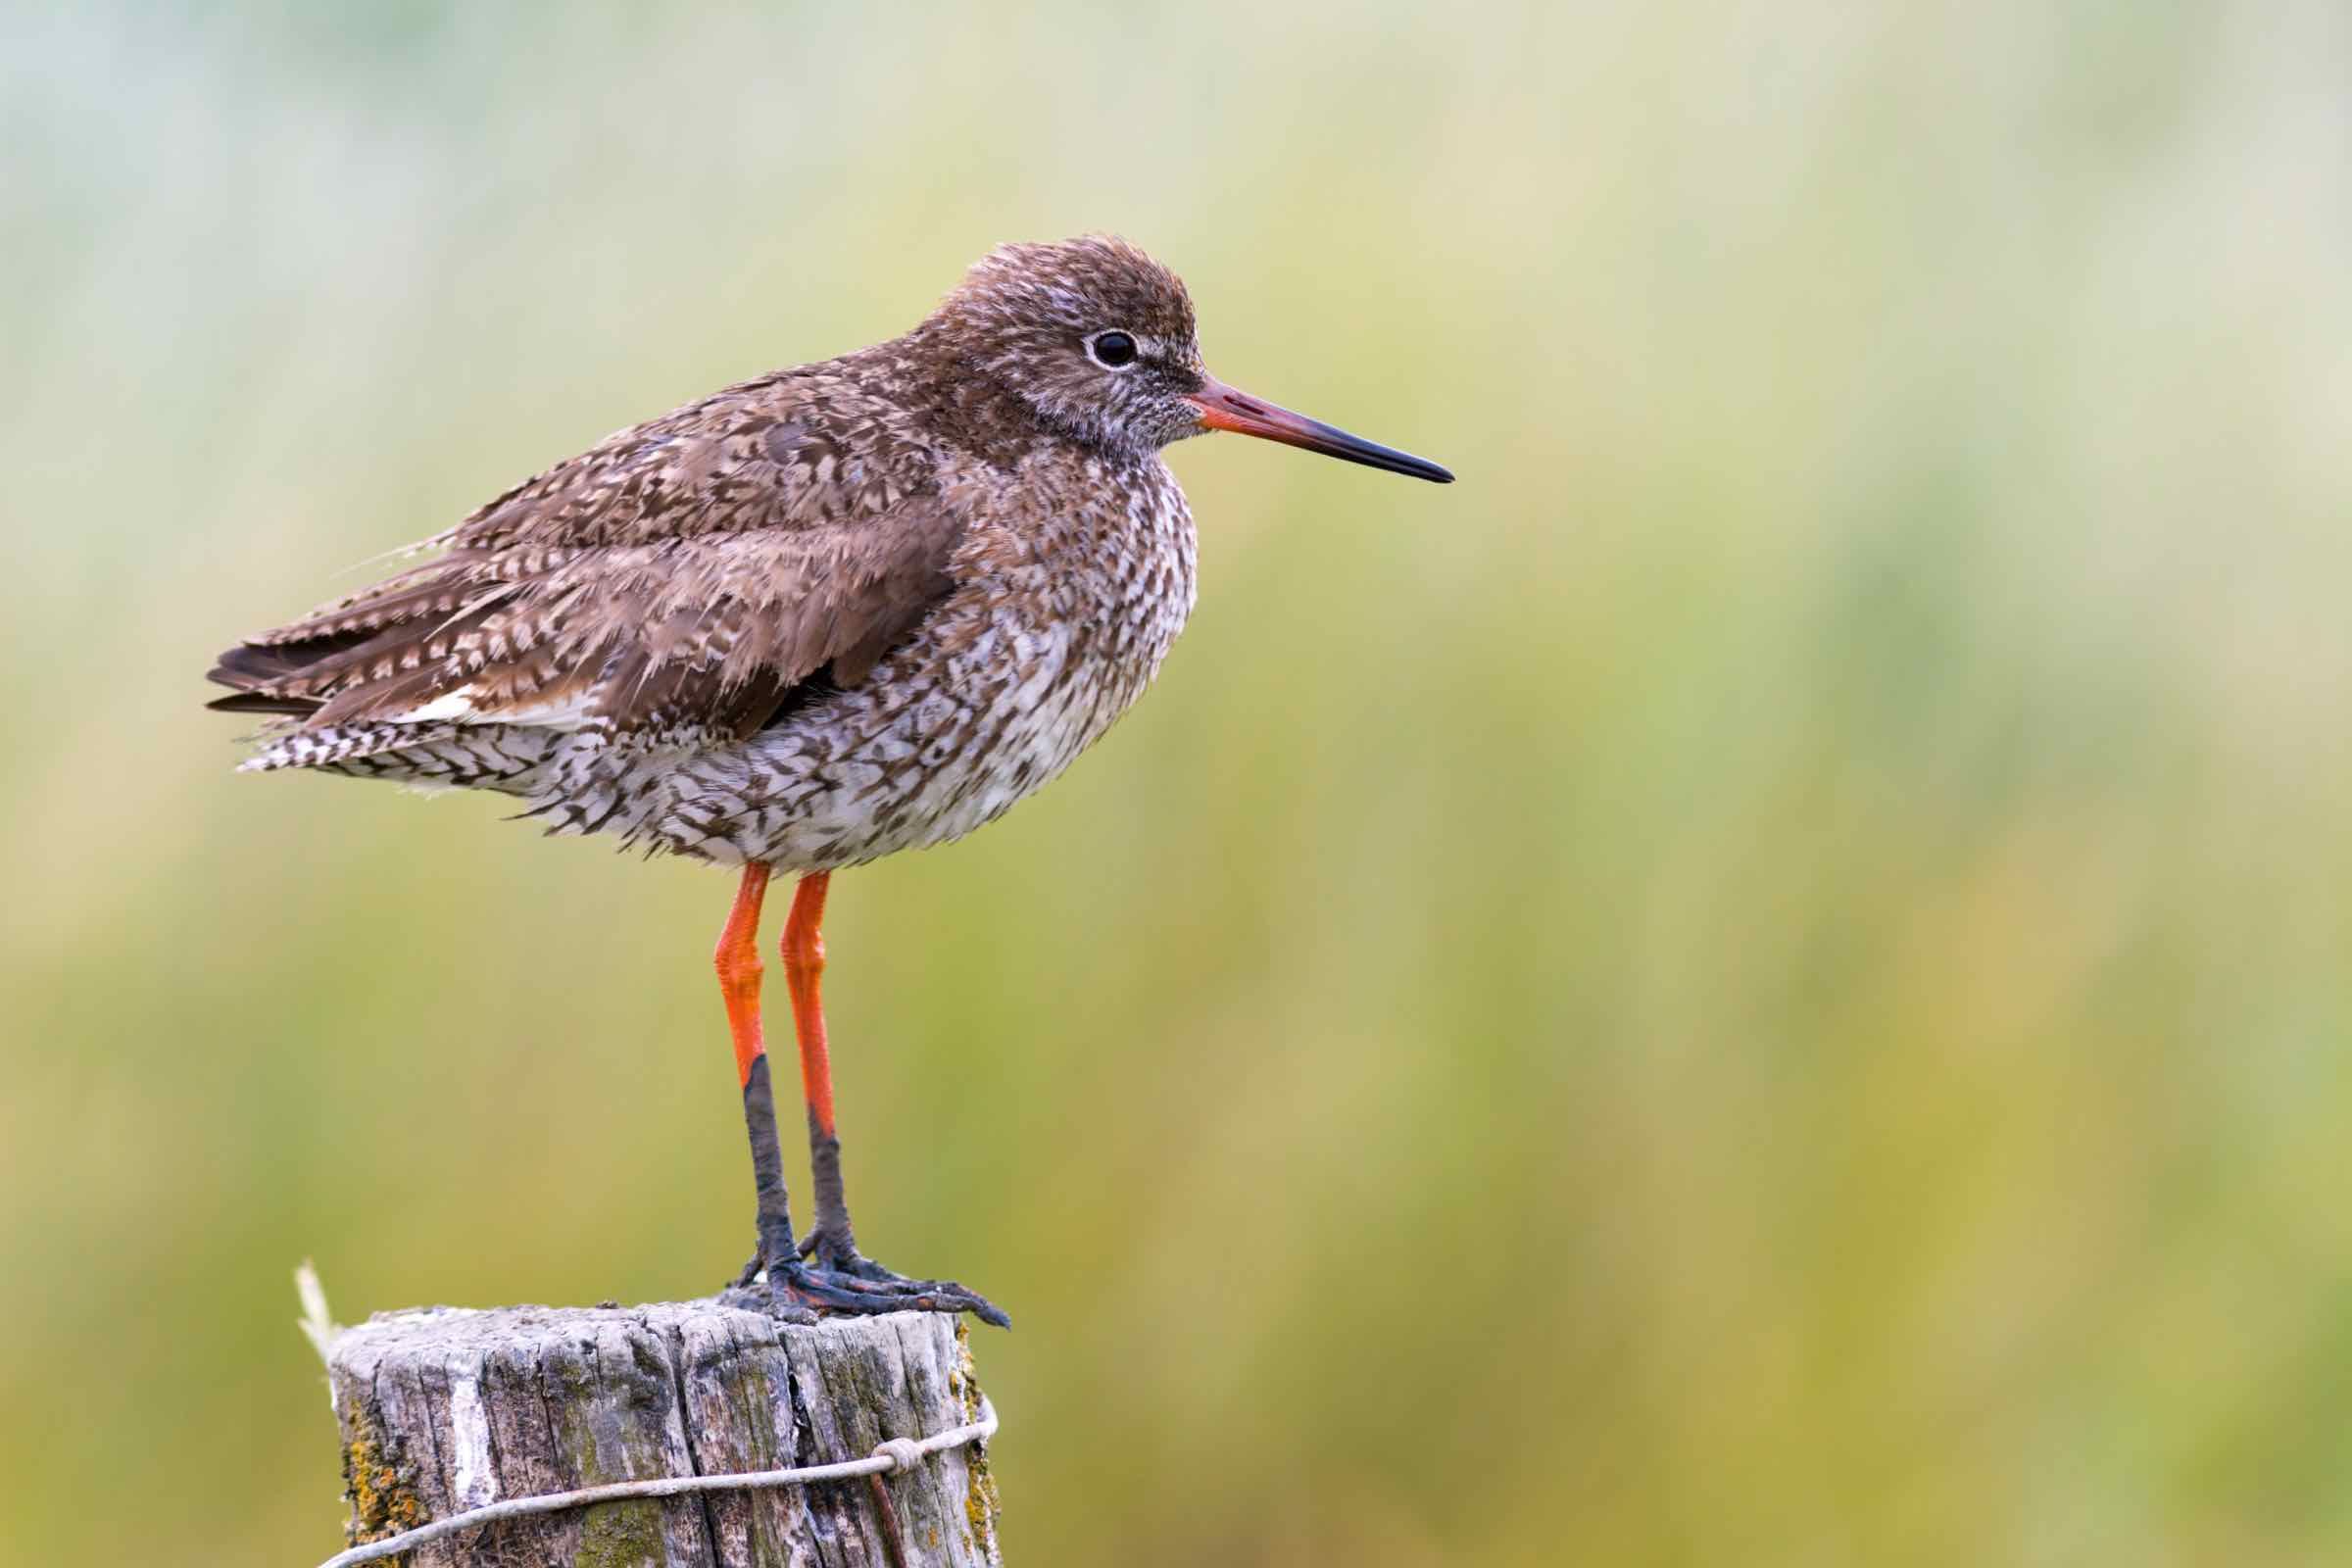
column 447, row 1410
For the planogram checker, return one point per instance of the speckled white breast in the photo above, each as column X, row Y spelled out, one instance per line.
column 1055, row 629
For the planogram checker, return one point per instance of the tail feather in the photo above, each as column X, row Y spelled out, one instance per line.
column 263, row 703
column 252, row 665
column 498, row 757
column 340, row 742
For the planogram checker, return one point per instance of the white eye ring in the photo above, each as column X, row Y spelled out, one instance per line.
column 1123, row 349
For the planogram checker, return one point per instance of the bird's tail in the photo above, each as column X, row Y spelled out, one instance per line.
column 497, row 757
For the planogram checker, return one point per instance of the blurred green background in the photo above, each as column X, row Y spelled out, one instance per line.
column 1767, row 979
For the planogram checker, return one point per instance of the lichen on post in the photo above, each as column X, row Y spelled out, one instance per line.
column 444, row 1409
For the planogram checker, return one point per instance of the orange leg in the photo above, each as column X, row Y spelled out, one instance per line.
column 840, row 1277
column 804, row 949
column 838, row 1280
column 738, row 963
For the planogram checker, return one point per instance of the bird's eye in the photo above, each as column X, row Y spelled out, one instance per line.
column 1113, row 349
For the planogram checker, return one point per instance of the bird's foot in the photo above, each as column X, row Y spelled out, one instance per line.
column 845, row 1281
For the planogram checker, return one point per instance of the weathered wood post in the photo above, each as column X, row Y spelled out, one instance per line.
column 445, row 1409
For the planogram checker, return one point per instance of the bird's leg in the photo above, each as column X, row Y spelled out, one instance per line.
column 738, row 963
column 838, row 1275
column 804, row 950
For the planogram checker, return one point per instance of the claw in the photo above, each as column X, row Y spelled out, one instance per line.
column 834, row 1259
column 796, row 1291
column 849, row 1294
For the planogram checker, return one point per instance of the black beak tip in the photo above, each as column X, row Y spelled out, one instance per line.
column 1413, row 467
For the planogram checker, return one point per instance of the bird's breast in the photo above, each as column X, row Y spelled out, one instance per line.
column 1062, row 615
column 1074, row 608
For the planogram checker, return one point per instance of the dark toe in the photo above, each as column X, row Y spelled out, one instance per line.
column 876, row 1290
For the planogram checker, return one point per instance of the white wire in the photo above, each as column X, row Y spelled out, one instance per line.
column 896, row 1453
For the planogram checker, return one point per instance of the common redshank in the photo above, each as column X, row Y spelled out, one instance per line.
column 822, row 617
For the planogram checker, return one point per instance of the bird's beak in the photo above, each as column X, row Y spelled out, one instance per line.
column 1223, row 408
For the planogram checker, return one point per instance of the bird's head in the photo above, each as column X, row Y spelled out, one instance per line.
column 1096, row 340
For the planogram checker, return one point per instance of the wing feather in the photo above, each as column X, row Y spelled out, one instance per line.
column 683, row 576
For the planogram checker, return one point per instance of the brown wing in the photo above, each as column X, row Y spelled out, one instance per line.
column 685, row 575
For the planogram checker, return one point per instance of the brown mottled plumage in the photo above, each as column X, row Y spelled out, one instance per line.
column 826, row 614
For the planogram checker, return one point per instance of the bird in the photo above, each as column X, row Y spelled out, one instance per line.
column 820, row 616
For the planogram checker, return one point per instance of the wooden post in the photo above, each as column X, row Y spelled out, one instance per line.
column 445, row 1409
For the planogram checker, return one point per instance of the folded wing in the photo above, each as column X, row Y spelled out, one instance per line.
column 683, row 578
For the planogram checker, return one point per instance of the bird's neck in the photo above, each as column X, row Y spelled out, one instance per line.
column 974, row 407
